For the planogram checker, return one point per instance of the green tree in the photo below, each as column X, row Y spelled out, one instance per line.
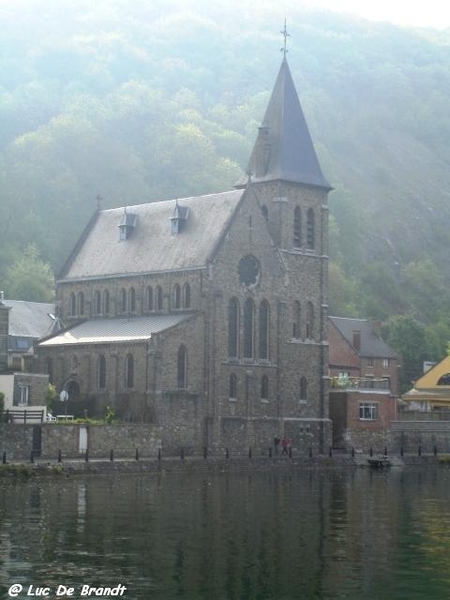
column 30, row 278
column 408, row 338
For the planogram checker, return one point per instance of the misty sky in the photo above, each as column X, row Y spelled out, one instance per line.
column 433, row 13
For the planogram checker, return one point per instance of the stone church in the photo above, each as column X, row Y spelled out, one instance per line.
column 207, row 315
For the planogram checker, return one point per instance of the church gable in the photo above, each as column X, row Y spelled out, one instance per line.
column 113, row 246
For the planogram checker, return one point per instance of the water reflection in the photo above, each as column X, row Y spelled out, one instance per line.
column 330, row 535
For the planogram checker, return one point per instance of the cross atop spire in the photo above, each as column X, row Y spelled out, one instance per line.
column 285, row 34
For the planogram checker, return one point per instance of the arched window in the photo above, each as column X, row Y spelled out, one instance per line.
column 182, row 368
column 264, row 330
column 106, row 302
column 149, row 298
column 232, row 387
column 129, row 372
column 264, row 387
column 81, row 303
column 310, row 230
column 187, row 295
column 73, row 305
column 297, row 228
column 303, row 388
column 310, row 321
column 123, row 300
column 264, row 211
column 74, row 364
column 249, row 328
column 159, row 298
column 132, row 300
column 233, row 328
column 101, row 372
column 98, row 303
column 176, row 296
column 444, row 380
column 297, row 320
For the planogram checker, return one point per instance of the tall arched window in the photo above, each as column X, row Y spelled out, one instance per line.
column 297, row 320
column 132, row 302
column 98, row 303
column 101, row 372
column 159, row 298
column 233, row 328
column 182, row 368
column 264, row 387
column 49, row 369
column 310, row 230
column 303, row 388
column 176, row 296
column 106, row 302
column 310, row 321
column 187, row 295
column 72, row 305
column 129, row 372
column 123, row 300
column 264, row 330
column 232, row 387
column 149, row 298
column 81, row 303
column 249, row 328
column 297, row 227
column 74, row 364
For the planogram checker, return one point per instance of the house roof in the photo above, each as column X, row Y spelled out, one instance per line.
column 372, row 346
column 284, row 149
column 104, row 331
column 30, row 319
column 151, row 247
column 436, row 381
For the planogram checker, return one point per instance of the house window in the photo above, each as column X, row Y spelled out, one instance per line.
column 72, row 305
column 176, row 296
column 386, row 363
column 123, row 300
column 296, row 324
column 129, row 372
column 368, row 411
column 264, row 330
column 310, row 321
column 106, row 302
column 303, row 388
column 310, row 230
column 98, row 303
column 23, row 395
column 49, row 369
column 132, row 297
column 232, row 387
column 249, row 328
column 297, row 228
column 101, row 372
column 187, row 295
column 74, row 364
column 370, row 362
column 81, row 303
column 444, row 380
column 149, row 298
column 233, row 328
column 265, row 388
column 159, row 298
column 182, row 368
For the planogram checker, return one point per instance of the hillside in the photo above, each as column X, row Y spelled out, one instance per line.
column 163, row 100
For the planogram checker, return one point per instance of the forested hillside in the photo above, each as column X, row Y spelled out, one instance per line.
column 145, row 101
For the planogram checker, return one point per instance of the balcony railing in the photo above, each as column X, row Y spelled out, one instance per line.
column 359, row 383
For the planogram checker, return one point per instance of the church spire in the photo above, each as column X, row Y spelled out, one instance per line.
column 283, row 149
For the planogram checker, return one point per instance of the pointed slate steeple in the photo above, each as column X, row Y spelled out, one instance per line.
column 283, row 149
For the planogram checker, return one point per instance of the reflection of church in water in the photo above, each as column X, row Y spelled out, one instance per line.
column 207, row 315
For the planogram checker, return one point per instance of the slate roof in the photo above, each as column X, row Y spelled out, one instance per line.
column 372, row 346
column 101, row 331
column 30, row 319
column 151, row 247
column 284, row 149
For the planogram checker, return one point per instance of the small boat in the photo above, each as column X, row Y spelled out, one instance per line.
column 379, row 463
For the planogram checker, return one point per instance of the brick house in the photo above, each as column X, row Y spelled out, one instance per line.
column 207, row 315
column 363, row 383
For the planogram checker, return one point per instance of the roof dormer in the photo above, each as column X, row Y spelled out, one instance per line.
column 127, row 225
column 179, row 218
